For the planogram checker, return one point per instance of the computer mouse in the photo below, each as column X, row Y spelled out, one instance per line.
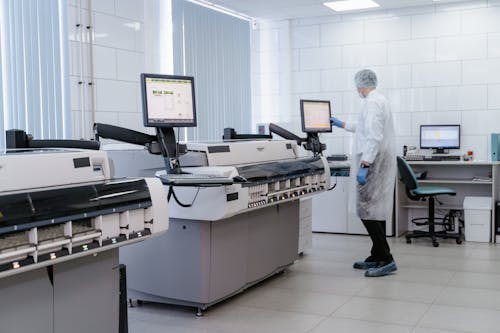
column 240, row 179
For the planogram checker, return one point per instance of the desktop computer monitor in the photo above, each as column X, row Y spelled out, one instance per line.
column 168, row 100
column 315, row 116
column 440, row 137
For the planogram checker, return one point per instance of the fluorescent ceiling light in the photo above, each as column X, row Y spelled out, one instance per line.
column 340, row 6
column 225, row 10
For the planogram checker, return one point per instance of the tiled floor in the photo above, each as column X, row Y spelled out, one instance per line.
column 453, row 288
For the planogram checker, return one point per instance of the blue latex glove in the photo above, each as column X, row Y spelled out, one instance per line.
column 336, row 122
column 361, row 176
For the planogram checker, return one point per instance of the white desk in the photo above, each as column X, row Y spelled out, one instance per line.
column 452, row 174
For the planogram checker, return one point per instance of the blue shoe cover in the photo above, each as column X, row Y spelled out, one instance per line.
column 364, row 264
column 382, row 270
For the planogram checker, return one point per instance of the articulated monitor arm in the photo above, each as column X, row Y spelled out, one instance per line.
column 19, row 139
column 278, row 130
column 230, row 134
column 129, row 136
column 311, row 143
column 163, row 143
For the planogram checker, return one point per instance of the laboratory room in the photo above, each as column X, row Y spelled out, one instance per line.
column 237, row 166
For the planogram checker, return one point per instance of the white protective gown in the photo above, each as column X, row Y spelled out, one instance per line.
column 374, row 142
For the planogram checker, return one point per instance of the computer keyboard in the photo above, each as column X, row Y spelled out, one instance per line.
column 432, row 158
column 435, row 158
column 414, row 157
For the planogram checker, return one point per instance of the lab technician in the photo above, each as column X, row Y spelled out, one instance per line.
column 374, row 163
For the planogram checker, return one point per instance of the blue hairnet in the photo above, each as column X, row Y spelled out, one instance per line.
column 366, row 78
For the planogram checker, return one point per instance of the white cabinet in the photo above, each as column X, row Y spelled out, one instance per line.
column 305, row 225
column 354, row 225
column 329, row 209
column 477, row 218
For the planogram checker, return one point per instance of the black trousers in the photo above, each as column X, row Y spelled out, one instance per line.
column 381, row 252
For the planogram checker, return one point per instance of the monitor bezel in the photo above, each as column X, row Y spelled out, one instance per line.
column 302, row 101
column 446, row 125
column 145, row 113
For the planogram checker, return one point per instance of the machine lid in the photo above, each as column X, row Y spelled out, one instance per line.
column 25, row 210
column 272, row 170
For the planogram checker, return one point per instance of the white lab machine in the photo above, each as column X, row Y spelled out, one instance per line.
column 62, row 219
column 231, row 236
column 234, row 205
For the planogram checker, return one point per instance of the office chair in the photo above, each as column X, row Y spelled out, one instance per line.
column 423, row 193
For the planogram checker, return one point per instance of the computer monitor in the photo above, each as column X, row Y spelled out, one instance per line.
column 315, row 116
column 168, row 100
column 440, row 137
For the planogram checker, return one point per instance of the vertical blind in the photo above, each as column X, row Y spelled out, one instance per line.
column 34, row 68
column 214, row 47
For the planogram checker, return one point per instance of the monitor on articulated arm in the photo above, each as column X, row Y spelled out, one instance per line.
column 168, row 101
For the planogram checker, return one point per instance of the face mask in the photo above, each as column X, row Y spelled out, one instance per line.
column 361, row 95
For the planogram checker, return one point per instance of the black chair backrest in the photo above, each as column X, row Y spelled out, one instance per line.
column 407, row 175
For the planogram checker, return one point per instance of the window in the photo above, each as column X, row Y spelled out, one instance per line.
column 34, row 67
column 214, row 47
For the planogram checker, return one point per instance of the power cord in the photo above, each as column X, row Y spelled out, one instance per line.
column 334, row 185
column 171, row 193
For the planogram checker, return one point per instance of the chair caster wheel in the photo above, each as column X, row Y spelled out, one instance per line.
column 459, row 241
column 408, row 241
column 435, row 244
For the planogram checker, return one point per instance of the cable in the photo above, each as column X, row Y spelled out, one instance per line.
column 177, row 148
column 171, row 193
column 334, row 185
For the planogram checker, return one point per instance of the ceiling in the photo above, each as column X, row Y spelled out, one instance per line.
column 280, row 9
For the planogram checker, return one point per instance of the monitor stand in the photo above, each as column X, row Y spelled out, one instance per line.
column 168, row 145
column 313, row 144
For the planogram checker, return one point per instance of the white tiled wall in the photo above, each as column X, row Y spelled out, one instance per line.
column 436, row 64
column 125, row 44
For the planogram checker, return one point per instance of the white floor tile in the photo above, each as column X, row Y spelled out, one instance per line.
column 323, row 283
column 480, row 266
column 251, row 320
column 148, row 327
column 325, row 267
column 470, row 297
column 385, row 311
column 475, row 280
column 426, row 249
column 432, row 330
column 430, row 262
column 295, row 301
column 491, row 252
column 343, row 325
column 461, row 319
column 401, row 291
column 421, row 275
column 339, row 255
